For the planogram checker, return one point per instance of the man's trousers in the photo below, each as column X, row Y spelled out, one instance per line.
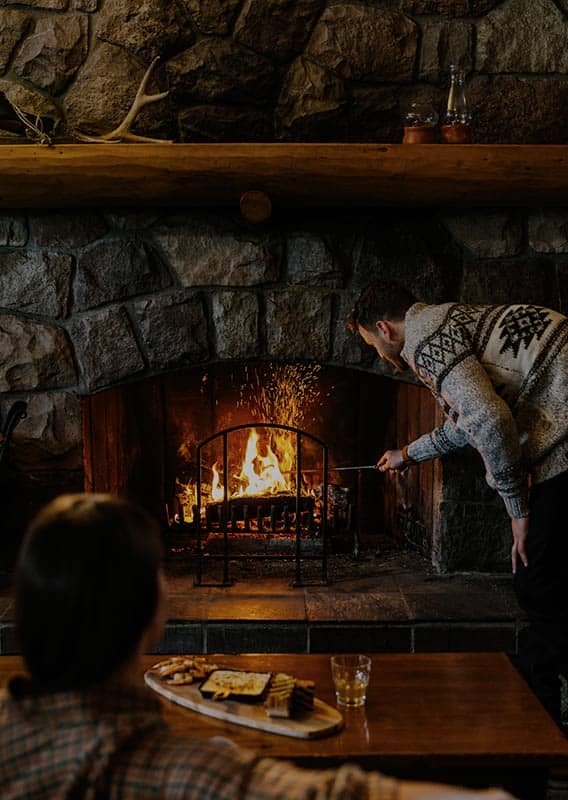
column 542, row 592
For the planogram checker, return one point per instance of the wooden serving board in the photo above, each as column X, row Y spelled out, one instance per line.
column 322, row 721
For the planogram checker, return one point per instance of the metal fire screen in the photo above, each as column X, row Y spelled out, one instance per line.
column 300, row 515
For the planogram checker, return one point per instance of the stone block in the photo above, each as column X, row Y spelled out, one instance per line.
column 212, row 251
column 13, row 231
column 462, row 477
column 52, row 5
column 298, row 324
column 348, row 347
column 104, row 90
column 487, row 234
column 465, row 638
column 458, row 597
column 523, row 36
column 360, row 638
column 519, row 281
column 518, row 110
column 256, row 608
column 50, row 433
column 375, row 113
column 312, row 103
column 235, row 322
column 51, row 57
column 450, row 8
column 146, row 28
column 213, row 16
column 548, row 230
column 209, row 123
column 35, row 282
column 255, row 637
column 33, row 355
column 181, row 638
column 368, row 607
column 173, row 329
column 277, row 28
column 445, row 43
column 132, row 220
column 33, row 104
column 14, row 28
column 105, row 347
column 472, row 537
column 483, row 638
column 221, row 71
column 430, row 638
column 69, row 229
column 414, row 247
column 115, row 270
column 311, row 261
column 365, row 43
column 447, row 8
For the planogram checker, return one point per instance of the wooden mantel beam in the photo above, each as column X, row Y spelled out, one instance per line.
column 292, row 175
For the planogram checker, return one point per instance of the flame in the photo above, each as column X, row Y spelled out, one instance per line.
column 260, row 474
column 217, row 491
column 263, row 471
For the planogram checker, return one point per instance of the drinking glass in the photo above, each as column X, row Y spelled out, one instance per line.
column 351, row 677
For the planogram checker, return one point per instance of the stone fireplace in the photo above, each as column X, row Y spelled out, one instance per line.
column 106, row 310
column 107, row 305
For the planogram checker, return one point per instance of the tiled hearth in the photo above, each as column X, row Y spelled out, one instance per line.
column 392, row 603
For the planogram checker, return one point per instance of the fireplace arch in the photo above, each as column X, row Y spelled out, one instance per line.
column 140, row 438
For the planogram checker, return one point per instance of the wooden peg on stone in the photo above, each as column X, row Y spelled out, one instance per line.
column 255, row 206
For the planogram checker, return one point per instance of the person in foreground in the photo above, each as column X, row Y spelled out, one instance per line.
column 90, row 600
column 500, row 374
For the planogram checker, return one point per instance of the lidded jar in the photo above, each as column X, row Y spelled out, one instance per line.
column 420, row 123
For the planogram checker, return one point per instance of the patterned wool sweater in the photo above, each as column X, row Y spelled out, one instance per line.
column 501, row 375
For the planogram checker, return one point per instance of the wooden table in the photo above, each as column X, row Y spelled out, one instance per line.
column 461, row 717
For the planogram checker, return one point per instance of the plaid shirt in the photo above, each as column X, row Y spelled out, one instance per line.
column 113, row 743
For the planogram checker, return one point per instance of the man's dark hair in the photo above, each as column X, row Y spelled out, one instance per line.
column 86, row 587
column 381, row 300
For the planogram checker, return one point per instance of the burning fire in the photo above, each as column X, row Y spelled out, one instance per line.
column 261, row 473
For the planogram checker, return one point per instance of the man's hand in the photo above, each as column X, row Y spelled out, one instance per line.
column 391, row 460
column 520, row 529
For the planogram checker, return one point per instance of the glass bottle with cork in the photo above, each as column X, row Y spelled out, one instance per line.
column 456, row 122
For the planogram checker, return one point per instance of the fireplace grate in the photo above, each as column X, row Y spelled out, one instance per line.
column 298, row 518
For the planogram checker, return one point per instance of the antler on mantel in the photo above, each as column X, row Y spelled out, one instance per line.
column 122, row 133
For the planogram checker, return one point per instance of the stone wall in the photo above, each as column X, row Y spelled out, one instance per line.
column 309, row 70
column 89, row 300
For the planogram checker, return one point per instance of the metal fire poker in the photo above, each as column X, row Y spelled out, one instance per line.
column 346, row 469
